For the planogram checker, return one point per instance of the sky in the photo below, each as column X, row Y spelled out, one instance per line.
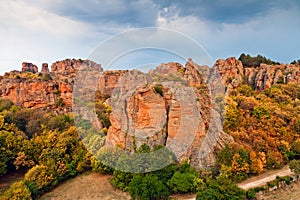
column 50, row 30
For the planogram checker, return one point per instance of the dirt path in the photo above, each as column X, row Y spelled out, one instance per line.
column 262, row 179
column 85, row 187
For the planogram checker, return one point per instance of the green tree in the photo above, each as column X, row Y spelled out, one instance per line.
column 147, row 187
column 221, row 188
column 187, row 182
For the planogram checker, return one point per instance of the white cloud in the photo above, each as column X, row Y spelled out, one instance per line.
column 29, row 33
column 275, row 34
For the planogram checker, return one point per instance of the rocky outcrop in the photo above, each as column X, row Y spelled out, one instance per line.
column 67, row 69
column 233, row 74
column 29, row 67
column 45, row 68
column 43, row 92
column 37, row 93
column 169, row 106
column 108, row 81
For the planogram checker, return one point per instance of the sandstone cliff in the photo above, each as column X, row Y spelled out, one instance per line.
column 45, row 90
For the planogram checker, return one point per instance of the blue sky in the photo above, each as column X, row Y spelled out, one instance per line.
column 49, row 30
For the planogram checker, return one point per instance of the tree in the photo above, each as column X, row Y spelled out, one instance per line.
column 225, row 156
column 5, row 104
column 184, row 182
column 221, row 188
column 256, row 164
column 147, row 187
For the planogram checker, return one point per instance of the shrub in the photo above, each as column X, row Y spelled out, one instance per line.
column 59, row 102
column 294, row 165
column 260, row 112
column 251, row 193
column 47, row 77
column 5, row 104
column 245, row 90
column 18, row 190
column 40, row 175
column 158, row 89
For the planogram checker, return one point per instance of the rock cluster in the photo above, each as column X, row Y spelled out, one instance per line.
column 233, row 74
column 54, row 92
column 29, row 67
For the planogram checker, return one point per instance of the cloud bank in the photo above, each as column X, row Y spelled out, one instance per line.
column 45, row 31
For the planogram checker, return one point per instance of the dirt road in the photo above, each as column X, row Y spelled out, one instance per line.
column 262, row 179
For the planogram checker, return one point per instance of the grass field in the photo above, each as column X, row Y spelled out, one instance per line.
column 85, row 187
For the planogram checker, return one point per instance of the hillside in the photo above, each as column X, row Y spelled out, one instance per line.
column 232, row 121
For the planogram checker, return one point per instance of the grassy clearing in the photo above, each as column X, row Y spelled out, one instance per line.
column 85, row 187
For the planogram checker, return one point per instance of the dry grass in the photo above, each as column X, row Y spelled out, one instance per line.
column 289, row 193
column 86, row 186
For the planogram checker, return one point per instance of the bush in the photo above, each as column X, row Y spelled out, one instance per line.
column 5, row 104
column 245, row 90
column 47, row 77
column 158, row 89
column 17, row 191
column 260, row 112
column 59, row 102
column 251, row 193
column 294, row 165
column 40, row 175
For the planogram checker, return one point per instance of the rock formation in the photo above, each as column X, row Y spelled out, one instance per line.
column 172, row 105
column 169, row 106
column 262, row 77
column 39, row 92
column 29, row 67
column 45, row 68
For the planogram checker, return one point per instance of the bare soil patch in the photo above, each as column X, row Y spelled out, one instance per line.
column 291, row 192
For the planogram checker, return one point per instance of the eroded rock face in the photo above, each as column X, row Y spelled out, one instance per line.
column 234, row 74
column 37, row 92
column 29, row 67
column 169, row 106
column 45, row 68
column 231, row 70
column 109, row 79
